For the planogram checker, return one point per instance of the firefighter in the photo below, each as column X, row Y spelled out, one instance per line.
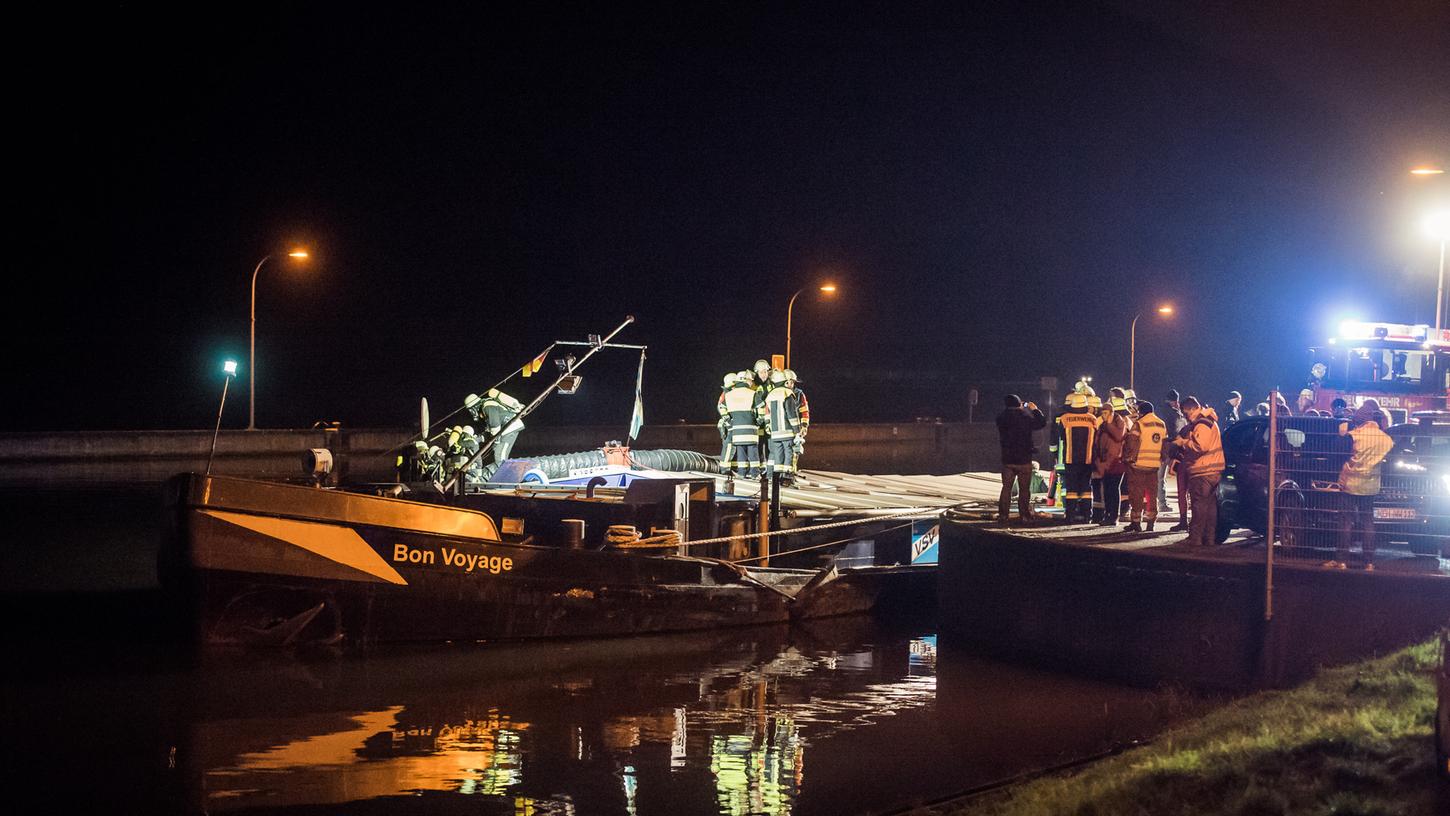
column 1095, row 407
column 762, row 371
column 723, row 424
column 1077, row 428
column 462, row 447
column 782, row 425
column 427, row 463
column 742, row 416
column 498, row 411
column 804, row 410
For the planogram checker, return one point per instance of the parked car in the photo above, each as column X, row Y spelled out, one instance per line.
column 1412, row 510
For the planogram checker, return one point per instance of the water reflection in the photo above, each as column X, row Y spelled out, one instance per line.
column 718, row 723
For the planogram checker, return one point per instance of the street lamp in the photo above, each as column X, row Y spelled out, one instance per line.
column 1427, row 171
column 298, row 255
column 1167, row 311
column 827, row 288
column 230, row 369
column 1437, row 225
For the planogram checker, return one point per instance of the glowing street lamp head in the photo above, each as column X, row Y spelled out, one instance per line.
column 1427, row 171
column 300, row 254
column 230, row 367
column 1166, row 309
column 1437, row 225
column 829, row 288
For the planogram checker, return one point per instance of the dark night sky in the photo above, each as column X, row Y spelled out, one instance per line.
column 997, row 192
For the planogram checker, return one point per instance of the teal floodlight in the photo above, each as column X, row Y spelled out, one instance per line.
column 229, row 368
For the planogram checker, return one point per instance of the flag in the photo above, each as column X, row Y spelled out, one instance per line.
column 531, row 367
column 636, row 420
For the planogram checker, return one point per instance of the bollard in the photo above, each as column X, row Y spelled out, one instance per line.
column 573, row 533
column 762, row 549
column 737, row 548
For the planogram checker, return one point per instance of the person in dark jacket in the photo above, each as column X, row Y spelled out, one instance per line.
column 1014, row 427
column 1230, row 413
column 1173, row 422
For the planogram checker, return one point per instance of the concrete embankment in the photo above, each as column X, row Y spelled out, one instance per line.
column 120, row 457
column 1150, row 618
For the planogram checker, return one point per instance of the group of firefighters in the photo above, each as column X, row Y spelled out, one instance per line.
column 764, row 416
column 497, row 413
column 1120, row 448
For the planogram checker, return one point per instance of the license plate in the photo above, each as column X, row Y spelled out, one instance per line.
column 1396, row 513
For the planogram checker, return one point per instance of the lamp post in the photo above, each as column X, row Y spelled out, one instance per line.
column 299, row 254
column 230, row 369
column 1437, row 225
column 1164, row 310
column 827, row 288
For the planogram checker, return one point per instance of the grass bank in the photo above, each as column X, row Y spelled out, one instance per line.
column 1355, row 740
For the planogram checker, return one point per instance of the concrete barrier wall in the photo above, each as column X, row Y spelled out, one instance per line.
column 119, row 457
column 1150, row 619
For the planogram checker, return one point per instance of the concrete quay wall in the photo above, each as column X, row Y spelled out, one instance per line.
column 1153, row 619
column 148, row 457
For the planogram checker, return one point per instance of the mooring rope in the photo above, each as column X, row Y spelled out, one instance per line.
column 672, row 538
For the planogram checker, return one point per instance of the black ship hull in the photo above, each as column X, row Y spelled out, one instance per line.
column 252, row 562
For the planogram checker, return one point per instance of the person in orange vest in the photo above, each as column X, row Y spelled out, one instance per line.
column 1142, row 452
column 1202, row 450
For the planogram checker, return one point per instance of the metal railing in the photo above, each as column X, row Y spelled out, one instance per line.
column 1324, row 509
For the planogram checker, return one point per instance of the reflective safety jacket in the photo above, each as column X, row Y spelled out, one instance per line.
column 743, row 415
column 1077, row 430
column 1144, row 448
column 782, row 413
column 804, row 410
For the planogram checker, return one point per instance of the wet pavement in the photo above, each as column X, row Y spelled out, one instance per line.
column 842, row 716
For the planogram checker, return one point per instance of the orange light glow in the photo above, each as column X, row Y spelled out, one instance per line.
column 1427, row 171
column 829, row 288
column 1165, row 310
column 298, row 254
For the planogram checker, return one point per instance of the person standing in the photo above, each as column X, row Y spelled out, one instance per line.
column 723, row 423
column 1077, row 429
column 1202, row 451
column 1108, row 462
column 1095, row 407
column 1359, row 482
column 1173, row 423
column 803, row 408
column 1230, row 413
column 782, row 424
column 1142, row 452
column 1014, row 431
column 743, row 423
column 760, row 384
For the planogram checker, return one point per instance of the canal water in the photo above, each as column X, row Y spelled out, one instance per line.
column 839, row 717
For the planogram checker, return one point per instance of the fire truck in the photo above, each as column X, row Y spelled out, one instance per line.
column 1405, row 368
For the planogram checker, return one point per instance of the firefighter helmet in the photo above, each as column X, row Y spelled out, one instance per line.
column 471, row 400
column 730, row 379
column 1094, row 401
column 760, row 365
column 1120, row 405
column 790, row 375
column 1077, row 400
column 777, row 376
